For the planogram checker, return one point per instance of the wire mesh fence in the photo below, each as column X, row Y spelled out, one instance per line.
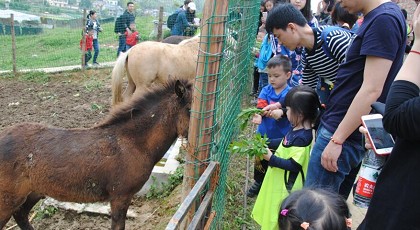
column 222, row 91
column 44, row 39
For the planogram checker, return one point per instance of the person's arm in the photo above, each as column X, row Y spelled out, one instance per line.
column 286, row 164
column 403, row 103
column 309, row 76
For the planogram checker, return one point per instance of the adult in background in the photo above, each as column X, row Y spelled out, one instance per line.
column 181, row 22
column 372, row 62
column 94, row 23
column 395, row 201
column 127, row 17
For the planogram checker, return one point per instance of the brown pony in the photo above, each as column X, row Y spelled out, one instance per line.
column 108, row 162
column 152, row 62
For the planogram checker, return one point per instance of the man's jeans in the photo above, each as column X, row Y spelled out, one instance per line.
column 121, row 44
column 318, row 177
column 96, row 49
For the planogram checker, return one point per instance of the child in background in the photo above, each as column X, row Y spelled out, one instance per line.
column 88, row 45
column 314, row 209
column 288, row 165
column 279, row 71
column 133, row 38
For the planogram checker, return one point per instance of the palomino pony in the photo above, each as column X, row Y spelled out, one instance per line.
column 108, row 162
column 152, row 62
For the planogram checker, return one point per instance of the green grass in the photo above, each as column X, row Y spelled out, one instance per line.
column 60, row 46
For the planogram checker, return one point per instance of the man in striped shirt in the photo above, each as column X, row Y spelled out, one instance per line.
column 293, row 31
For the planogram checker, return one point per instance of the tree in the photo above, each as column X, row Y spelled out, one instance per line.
column 85, row 4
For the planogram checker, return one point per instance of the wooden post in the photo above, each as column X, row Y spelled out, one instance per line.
column 84, row 39
column 209, row 55
column 12, row 32
column 159, row 29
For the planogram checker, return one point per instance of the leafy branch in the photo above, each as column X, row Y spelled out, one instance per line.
column 257, row 146
column 245, row 115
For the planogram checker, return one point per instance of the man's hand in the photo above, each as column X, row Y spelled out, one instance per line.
column 330, row 156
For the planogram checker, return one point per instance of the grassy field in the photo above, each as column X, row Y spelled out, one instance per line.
column 60, row 46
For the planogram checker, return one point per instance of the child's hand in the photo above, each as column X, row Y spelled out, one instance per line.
column 268, row 155
column 275, row 114
column 257, row 119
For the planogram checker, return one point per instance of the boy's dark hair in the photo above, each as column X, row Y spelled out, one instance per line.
column 304, row 100
column 320, row 208
column 130, row 3
column 282, row 61
column 187, row 1
column 283, row 14
column 340, row 14
column 89, row 28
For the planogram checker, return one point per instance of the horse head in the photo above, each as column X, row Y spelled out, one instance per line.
column 183, row 90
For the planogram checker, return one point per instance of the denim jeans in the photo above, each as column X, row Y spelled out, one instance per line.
column 96, row 49
column 318, row 177
column 127, row 47
column 263, row 81
column 121, row 44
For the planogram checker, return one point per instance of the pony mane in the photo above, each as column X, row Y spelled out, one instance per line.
column 194, row 39
column 142, row 102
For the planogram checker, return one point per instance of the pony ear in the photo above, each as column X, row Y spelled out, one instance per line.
column 179, row 89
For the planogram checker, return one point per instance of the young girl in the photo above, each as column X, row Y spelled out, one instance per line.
column 288, row 165
column 314, row 209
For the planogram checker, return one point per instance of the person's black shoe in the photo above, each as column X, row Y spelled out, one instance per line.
column 254, row 189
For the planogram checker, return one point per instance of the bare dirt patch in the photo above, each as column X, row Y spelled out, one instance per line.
column 74, row 100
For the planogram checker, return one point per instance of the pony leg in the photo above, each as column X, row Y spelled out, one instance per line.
column 131, row 87
column 3, row 222
column 8, row 204
column 21, row 215
column 119, row 208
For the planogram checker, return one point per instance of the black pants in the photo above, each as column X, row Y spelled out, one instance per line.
column 256, row 79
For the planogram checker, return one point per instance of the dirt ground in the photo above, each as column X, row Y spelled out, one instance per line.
column 70, row 100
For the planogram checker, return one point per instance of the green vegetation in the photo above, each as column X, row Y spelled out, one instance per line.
column 165, row 189
column 45, row 212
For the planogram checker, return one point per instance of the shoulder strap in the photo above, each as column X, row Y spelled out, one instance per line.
column 324, row 35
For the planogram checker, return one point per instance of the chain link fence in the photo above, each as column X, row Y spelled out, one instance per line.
column 37, row 38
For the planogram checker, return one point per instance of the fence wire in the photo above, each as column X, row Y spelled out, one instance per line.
column 233, row 82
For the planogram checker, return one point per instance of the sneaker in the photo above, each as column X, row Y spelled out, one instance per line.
column 254, row 189
column 96, row 64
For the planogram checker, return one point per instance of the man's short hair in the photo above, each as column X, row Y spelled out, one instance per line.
column 282, row 15
column 130, row 3
column 282, row 61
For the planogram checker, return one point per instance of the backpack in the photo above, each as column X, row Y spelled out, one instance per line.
column 324, row 35
column 119, row 25
column 170, row 22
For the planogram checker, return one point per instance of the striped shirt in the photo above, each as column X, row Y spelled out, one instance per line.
column 317, row 64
